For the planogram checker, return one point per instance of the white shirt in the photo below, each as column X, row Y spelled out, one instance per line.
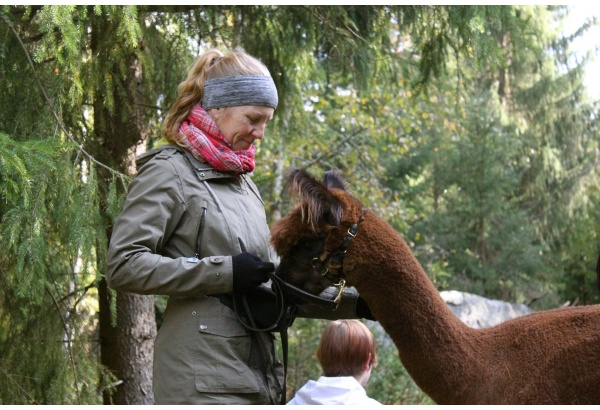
column 333, row 390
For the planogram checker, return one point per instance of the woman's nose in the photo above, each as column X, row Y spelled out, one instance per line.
column 259, row 131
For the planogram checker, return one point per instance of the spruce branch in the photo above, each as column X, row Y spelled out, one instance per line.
column 332, row 152
column 72, row 359
column 19, row 387
column 51, row 106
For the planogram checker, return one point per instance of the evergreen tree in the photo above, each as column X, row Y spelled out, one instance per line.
column 509, row 177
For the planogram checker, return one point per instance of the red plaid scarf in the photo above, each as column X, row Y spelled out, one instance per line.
column 208, row 144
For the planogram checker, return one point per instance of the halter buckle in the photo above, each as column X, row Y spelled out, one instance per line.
column 341, row 285
column 318, row 263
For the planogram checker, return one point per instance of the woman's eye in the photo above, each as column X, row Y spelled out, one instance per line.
column 257, row 121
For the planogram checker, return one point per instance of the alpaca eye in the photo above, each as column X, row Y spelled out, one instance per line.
column 313, row 245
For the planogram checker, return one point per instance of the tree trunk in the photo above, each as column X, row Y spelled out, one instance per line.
column 503, row 75
column 128, row 347
column 127, row 343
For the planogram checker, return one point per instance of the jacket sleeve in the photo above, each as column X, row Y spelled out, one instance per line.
column 153, row 209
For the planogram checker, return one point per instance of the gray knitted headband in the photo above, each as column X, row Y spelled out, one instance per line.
column 233, row 91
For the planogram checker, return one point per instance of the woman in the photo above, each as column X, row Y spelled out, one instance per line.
column 347, row 355
column 194, row 228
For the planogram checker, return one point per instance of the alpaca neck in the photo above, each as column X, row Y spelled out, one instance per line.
column 434, row 346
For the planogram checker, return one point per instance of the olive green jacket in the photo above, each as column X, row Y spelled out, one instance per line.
column 177, row 207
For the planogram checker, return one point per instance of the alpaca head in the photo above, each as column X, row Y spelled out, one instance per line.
column 316, row 228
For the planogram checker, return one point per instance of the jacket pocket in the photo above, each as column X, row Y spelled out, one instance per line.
column 221, row 364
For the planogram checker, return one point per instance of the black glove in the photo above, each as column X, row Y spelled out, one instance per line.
column 249, row 271
column 362, row 310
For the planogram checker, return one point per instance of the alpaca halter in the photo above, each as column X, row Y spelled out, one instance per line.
column 335, row 260
column 323, row 264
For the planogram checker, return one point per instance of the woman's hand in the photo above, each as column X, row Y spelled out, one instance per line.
column 249, row 271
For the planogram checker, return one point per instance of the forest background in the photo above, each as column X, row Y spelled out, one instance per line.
column 468, row 128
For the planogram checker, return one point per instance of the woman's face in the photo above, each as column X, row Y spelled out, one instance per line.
column 242, row 125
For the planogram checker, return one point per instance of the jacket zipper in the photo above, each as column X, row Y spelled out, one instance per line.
column 200, row 232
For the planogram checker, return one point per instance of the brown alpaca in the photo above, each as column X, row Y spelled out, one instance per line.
column 550, row 357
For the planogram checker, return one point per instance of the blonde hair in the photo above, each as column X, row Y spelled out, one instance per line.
column 211, row 64
column 345, row 347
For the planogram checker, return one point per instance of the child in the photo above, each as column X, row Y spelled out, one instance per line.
column 347, row 355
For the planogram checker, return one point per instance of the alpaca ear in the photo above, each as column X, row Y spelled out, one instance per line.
column 333, row 179
column 333, row 215
column 318, row 203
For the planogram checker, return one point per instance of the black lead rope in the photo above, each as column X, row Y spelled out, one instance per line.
column 301, row 294
column 285, row 317
column 260, row 354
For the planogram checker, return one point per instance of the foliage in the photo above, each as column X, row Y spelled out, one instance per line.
column 47, row 274
column 304, row 336
column 496, row 172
